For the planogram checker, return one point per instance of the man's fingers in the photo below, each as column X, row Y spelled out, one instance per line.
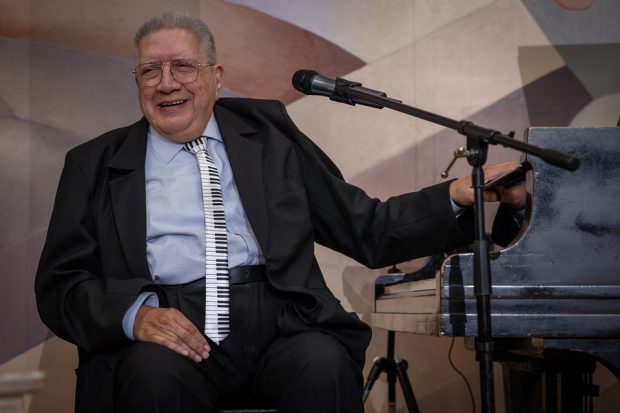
column 178, row 338
column 490, row 196
column 514, row 196
column 175, row 344
column 462, row 193
column 495, row 171
column 191, row 337
column 169, row 327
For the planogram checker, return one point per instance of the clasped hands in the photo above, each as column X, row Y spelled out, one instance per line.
column 462, row 193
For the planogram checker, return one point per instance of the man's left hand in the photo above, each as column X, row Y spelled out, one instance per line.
column 462, row 193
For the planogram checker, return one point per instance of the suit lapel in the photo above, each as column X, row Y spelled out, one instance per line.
column 127, row 190
column 245, row 156
column 127, row 184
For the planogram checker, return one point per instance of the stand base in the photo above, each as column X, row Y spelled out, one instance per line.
column 395, row 368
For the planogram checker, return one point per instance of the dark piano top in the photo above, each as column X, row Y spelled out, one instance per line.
column 561, row 278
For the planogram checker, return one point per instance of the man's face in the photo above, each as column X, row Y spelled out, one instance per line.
column 178, row 111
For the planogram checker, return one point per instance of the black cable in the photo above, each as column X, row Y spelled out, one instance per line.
column 471, row 394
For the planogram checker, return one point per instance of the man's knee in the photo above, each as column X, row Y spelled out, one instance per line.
column 148, row 363
column 312, row 372
column 323, row 358
column 152, row 375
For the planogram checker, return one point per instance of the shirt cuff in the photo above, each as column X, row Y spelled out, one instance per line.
column 458, row 209
column 146, row 298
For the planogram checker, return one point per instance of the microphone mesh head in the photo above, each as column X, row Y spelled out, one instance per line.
column 302, row 80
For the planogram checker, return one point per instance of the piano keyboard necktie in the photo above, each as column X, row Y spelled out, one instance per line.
column 217, row 319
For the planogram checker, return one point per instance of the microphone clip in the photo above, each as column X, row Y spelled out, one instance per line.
column 339, row 93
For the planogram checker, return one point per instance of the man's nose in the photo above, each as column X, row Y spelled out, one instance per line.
column 167, row 82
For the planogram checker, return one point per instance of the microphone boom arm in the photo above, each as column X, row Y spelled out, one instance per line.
column 348, row 92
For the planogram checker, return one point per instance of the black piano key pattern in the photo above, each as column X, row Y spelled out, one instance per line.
column 217, row 296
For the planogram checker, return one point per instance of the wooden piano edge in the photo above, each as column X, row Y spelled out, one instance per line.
column 416, row 323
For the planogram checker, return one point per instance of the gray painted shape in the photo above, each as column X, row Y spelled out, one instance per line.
column 598, row 24
column 5, row 109
column 30, row 163
column 597, row 66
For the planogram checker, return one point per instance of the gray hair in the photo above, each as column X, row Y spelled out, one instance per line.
column 184, row 21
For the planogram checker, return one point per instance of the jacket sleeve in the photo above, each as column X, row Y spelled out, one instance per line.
column 73, row 298
column 373, row 232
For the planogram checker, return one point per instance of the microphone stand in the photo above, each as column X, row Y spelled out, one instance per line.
column 478, row 140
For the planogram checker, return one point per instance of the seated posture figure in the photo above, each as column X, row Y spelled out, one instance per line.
column 179, row 257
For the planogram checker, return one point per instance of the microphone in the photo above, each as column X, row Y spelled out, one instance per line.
column 310, row 82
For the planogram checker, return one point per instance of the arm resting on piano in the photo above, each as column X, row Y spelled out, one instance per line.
column 512, row 196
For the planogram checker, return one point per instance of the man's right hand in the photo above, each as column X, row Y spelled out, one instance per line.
column 170, row 328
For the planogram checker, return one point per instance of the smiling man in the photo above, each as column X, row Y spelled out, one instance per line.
column 180, row 253
column 179, row 82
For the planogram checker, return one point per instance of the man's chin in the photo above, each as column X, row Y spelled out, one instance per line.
column 176, row 133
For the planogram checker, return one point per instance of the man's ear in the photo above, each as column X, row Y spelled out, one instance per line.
column 218, row 74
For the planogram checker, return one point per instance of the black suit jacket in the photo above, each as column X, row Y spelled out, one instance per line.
column 94, row 261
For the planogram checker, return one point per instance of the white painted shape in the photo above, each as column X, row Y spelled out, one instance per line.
column 369, row 29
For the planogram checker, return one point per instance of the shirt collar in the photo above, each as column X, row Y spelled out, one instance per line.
column 166, row 149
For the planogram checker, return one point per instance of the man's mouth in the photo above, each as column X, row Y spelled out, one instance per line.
column 171, row 104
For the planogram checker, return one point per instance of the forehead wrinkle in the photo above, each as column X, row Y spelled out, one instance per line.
column 180, row 59
column 167, row 45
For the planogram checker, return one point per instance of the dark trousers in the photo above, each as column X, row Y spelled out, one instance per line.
column 306, row 372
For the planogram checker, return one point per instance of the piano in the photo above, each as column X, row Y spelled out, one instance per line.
column 555, row 303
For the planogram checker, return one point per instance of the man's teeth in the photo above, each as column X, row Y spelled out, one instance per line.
column 174, row 103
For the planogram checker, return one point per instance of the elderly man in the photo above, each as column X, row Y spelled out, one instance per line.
column 180, row 288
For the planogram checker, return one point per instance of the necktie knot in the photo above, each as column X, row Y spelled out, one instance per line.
column 197, row 145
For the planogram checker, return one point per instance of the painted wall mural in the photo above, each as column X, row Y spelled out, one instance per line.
column 65, row 77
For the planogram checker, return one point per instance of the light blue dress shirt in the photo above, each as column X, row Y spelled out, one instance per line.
column 175, row 242
column 175, row 239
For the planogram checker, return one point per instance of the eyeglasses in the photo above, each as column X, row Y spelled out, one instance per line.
column 182, row 70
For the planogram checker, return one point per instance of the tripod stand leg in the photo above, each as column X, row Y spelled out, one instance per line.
column 396, row 369
column 391, row 378
column 375, row 371
column 401, row 371
column 390, row 368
